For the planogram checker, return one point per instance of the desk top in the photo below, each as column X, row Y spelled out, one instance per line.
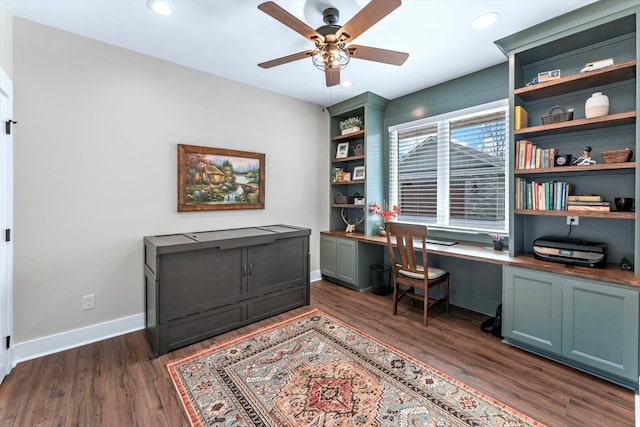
column 474, row 252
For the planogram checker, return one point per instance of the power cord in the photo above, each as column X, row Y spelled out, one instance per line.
column 570, row 225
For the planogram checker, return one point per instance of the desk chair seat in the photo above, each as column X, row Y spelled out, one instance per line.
column 404, row 241
column 433, row 273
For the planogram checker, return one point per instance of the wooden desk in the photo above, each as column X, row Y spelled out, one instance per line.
column 546, row 305
column 611, row 273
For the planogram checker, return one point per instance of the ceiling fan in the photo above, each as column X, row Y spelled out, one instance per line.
column 332, row 51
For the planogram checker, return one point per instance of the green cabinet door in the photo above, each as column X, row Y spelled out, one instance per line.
column 338, row 259
column 328, row 256
column 532, row 309
column 600, row 324
column 347, row 260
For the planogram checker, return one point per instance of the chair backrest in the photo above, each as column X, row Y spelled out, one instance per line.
column 403, row 236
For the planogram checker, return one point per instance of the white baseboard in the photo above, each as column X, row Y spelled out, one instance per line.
column 38, row 347
column 27, row 350
column 315, row 276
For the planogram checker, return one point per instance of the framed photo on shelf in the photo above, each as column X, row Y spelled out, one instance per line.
column 358, row 172
column 343, row 150
column 211, row 179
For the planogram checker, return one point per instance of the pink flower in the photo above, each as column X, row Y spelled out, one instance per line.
column 386, row 213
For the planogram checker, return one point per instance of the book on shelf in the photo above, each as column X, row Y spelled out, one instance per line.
column 521, row 153
column 572, row 203
column 536, row 195
column 588, row 208
column 520, row 117
column 584, row 198
column 531, row 156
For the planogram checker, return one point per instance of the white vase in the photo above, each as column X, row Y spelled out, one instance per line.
column 596, row 106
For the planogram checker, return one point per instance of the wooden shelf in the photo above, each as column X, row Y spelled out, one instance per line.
column 353, row 135
column 618, row 119
column 586, row 80
column 354, row 181
column 348, row 159
column 608, row 215
column 571, row 169
column 347, row 206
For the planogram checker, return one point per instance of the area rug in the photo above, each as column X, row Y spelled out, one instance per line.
column 314, row 370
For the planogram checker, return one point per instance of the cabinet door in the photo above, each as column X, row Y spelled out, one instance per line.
column 328, row 256
column 195, row 281
column 532, row 309
column 277, row 265
column 347, row 258
column 601, row 326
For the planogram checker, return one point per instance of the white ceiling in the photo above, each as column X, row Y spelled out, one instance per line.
column 229, row 38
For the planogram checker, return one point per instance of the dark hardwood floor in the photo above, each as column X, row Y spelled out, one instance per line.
column 115, row 383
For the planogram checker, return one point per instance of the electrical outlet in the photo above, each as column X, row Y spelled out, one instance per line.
column 573, row 220
column 89, row 302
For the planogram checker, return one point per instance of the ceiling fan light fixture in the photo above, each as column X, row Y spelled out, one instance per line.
column 334, row 57
column 161, row 7
column 485, row 20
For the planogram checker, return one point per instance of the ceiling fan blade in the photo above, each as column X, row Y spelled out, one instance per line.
column 332, row 76
column 373, row 12
column 392, row 57
column 281, row 15
column 286, row 59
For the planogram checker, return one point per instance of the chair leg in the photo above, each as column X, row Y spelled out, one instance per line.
column 426, row 306
column 446, row 295
column 395, row 298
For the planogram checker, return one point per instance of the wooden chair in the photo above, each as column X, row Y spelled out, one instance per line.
column 408, row 268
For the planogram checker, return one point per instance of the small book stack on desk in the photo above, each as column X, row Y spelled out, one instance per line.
column 587, row 203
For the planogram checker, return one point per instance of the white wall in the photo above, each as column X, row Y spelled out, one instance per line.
column 95, row 169
column 6, row 40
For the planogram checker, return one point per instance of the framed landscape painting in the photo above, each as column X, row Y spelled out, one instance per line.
column 219, row 179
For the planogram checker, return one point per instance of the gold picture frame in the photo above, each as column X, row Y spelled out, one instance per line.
column 211, row 179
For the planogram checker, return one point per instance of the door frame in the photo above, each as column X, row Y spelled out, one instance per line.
column 6, row 222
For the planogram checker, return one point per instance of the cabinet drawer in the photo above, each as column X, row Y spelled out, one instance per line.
column 278, row 302
column 179, row 333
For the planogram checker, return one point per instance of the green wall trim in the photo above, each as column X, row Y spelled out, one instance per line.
column 570, row 23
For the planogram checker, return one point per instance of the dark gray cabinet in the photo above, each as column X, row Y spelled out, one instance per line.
column 198, row 285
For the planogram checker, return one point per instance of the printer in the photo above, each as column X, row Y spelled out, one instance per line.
column 570, row 251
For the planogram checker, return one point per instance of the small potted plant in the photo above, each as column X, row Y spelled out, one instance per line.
column 352, row 124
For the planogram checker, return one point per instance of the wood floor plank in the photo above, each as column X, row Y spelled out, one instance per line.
column 116, row 383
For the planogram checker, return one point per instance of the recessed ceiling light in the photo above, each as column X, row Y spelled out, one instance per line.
column 345, row 83
column 484, row 21
column 161, row 7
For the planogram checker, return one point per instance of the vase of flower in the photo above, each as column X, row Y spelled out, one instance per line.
column 386, row 214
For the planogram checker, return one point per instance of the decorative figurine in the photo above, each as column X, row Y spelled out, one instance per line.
column 585, row 159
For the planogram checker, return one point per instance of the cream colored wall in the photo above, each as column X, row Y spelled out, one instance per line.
column 6, row 40
column 95, row 169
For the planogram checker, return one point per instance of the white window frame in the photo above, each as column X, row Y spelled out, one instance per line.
column 443, row 163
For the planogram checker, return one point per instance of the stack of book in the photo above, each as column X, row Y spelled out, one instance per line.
column 530, row 156
column 587, row 203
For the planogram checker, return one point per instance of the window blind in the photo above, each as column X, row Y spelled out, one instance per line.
column 451, row 170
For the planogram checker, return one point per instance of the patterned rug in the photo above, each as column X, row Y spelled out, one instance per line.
column 315, row 370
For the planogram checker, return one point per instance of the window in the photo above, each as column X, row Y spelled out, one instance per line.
column 450, row 171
